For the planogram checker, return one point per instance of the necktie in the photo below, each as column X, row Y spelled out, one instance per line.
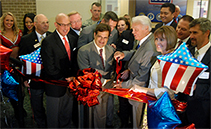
column 67, row 47
column 175, row 19
column 138, row 46
column 196, row 54
column 180, row 42
column 41, row 38
column 101, row 56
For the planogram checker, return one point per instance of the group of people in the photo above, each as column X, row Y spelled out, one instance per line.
column 97, row 43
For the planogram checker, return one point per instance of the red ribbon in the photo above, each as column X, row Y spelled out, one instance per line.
column 87, row 86
column 179, row 106
column 118, row 68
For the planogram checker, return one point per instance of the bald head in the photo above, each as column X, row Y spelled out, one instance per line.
column 62, row 24
column 41, row 23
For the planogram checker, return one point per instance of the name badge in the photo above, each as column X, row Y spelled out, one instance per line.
column 125, row 41
column 204, row 75
column 37, row 45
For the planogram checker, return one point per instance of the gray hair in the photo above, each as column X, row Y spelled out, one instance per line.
column 204, row 24
column 144, row 20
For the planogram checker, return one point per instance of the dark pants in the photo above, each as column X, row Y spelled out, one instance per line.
column 125, row 112
column 37, row 107
column 59, row 111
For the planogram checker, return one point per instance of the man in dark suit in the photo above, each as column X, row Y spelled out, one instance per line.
column 57, row 54
column 87, row 34
column 98, row 55
column 140, row 62
column 198, row 105
column 183, row 33
column 167, row 16
column 76, row 23
column 28, row 44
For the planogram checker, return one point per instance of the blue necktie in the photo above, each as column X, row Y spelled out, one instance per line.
column 138, row 46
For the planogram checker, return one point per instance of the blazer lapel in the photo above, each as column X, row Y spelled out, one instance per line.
column 139, row 50
column 206, row 58
column 59, row 42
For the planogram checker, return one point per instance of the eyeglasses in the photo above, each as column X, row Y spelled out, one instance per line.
column 63, row 25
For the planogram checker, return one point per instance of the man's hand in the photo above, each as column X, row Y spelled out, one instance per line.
column 113, row 45
column 118, row 86
column 119, row 55
column 125, row 74
column 69, row 79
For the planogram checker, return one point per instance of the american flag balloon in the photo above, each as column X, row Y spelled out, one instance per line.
column 180, row 70
column 32, row 63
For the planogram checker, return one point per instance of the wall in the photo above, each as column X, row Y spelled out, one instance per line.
column 51, row 8
column 19, row 8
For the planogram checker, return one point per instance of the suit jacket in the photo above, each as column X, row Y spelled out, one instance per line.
column 125, row 41
column 173, row 24
column 73, row 33
column 140, row 62
column 88, row 57
column 56, row 63
column 87, row 35
column 27, row 46
column 198, row 109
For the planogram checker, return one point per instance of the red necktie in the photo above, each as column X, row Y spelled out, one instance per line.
column 101, row 56
column 67, row 47
column 175, row 19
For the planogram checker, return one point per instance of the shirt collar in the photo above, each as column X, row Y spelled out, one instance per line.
column 202, row 51
column 76, row 31
column 39, row 35
column 98, row 48
column 168, row 24
column 141, row 41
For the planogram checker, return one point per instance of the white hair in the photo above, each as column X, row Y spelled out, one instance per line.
column 176, row 6
column 144, row 20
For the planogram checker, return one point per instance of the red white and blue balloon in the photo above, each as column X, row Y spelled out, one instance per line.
column 180, row 70
column 32, row 63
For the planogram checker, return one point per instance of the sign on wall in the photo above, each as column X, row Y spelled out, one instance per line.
column 151, row 8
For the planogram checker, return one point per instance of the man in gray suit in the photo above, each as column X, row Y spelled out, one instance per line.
column 87, row 34
column 140, row 61
column 98, row 55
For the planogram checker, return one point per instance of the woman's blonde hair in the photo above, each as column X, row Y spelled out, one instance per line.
column 170, row 35
column 14, row 27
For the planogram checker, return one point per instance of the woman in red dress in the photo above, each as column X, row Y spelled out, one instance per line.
column 10, row 34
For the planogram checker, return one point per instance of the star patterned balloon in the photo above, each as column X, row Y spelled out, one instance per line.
column 180, row 70
column 161, row 113
column 32, row 63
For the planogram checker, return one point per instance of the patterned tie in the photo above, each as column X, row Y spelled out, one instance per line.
column 67, row 47
column 41, row 38
column 101, row 56
column 196, row 54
